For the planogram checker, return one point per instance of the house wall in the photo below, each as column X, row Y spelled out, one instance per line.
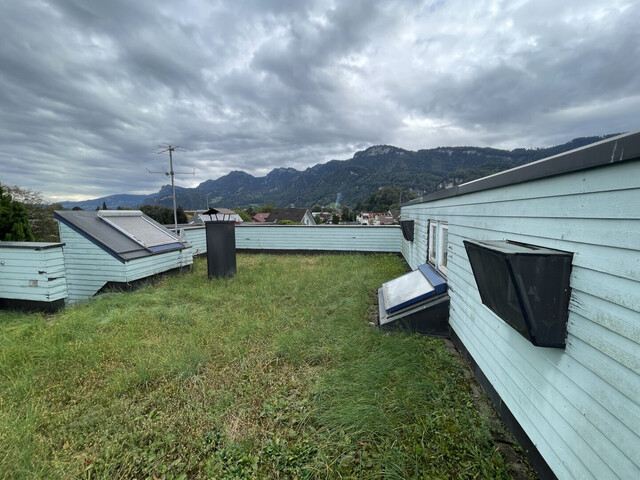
column 155, row 264
column 579, row 406
column 197, row 238
column 89, row 267
column 319, row 238
column 33, row 272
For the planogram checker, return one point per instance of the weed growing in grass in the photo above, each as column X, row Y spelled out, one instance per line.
column 273, row 373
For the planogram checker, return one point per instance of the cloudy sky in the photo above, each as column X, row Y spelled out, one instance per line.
column 90, row 88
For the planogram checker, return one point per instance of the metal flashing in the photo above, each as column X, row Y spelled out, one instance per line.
column 31, row 245
column 621, row 148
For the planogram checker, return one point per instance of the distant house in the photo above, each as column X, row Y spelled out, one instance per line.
column 297, row 215
column 386, row 220
column 115, row 249
column 201, row 216
column 372, row 218
column 363, row 218
column 261, row 217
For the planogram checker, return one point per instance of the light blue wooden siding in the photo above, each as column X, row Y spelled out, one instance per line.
column 89, row 267
column 32, row 274
column 580, row 406
column 197, row 238
column 339, row 238
column 155, row 264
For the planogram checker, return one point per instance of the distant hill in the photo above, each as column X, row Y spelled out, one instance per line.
column 112, row 201
column 423, row 171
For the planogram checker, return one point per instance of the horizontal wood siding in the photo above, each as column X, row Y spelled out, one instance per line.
column 580, row 406
column 339, row 238
column 88, row 267
column 32, row 274
column 155, row 264
column 197, row 237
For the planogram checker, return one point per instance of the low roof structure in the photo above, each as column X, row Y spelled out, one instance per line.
column 300, row 215
column 125, row 234
column 261, row 217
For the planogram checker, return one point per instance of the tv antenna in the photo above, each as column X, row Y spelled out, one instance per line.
column 171, row 149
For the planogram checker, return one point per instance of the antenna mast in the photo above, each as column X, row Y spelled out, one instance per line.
column 171, row 149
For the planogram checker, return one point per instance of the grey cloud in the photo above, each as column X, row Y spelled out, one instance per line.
column 89, row 89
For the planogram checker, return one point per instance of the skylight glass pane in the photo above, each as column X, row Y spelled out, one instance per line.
column 406, row 290
column 142, row 231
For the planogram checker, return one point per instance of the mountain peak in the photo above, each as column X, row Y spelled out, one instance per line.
column 378, row 150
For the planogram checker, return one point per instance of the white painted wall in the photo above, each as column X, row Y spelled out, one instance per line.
column 581, row 405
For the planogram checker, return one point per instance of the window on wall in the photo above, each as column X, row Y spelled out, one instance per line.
column 437, row 245
column 433, row 231
column 443, row 241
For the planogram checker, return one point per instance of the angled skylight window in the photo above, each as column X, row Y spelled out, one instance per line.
column 145, row 231
column 412, row 288
column 416, row 301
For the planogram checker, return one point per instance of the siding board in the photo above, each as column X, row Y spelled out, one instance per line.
column 320, row 238
column 533, row 389
column 579, row 406
column 32, row 273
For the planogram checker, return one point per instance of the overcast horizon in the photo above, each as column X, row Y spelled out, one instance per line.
column 89, row 91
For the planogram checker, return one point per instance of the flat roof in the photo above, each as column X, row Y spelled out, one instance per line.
column 621, row 148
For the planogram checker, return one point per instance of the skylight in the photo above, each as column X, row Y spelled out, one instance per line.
column 144, row 231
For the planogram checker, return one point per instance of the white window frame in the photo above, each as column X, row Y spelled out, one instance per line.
column 432, row 257
column 442, row 247
column 437, row 247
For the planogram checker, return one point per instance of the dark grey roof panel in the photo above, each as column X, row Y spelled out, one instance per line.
column 291, row 214
column 88, row 224
column 617, row 149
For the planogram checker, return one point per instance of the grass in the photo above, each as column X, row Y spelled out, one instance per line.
column 274, row 373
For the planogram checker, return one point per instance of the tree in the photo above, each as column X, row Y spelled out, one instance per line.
column 266, row 208
column 180, row 215
column 104, row 206
column 14, row 221
column 288, row 222
column 335, row 219
column 163, row 214
column 41, row 221
column 384, row 198
column 243, row 215
column 316, row 208
column 346, row 214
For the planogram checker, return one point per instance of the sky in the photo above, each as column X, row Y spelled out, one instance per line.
column 91, row 90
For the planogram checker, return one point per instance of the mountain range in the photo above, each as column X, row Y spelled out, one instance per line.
column 354, row 180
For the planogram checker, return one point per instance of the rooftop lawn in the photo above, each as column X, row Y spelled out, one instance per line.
column 275, row 373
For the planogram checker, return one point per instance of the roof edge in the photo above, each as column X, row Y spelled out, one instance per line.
column 612, row 150
column 86, row 235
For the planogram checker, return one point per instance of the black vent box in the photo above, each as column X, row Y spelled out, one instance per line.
column 526, row 286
